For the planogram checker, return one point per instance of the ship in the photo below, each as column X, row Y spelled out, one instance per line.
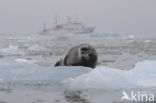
column 71, row 26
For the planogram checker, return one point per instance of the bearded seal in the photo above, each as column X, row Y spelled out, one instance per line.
column 80, row 55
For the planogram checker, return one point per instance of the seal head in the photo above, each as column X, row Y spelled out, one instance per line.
column 81, row 55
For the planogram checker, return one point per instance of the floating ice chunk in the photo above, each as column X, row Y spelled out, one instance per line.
column 103, row 77
column 145, row 66
column 131, row 36
column 21, row 60
column 67, row 80
column 143, row 74
column 36, row 47
column 9, row 49
column 18, row 71
column 13, row 47
column 2, row 85
column 147, row 41
column 1, row 81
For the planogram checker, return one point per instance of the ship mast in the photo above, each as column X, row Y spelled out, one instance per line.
column 44, row 26
column 55, row 19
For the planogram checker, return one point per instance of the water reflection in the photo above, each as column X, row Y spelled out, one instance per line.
column 75, row 97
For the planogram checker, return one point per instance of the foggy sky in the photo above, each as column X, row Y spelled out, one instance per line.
column 108, row 16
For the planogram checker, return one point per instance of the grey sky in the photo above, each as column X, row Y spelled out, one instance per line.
column 125, row 16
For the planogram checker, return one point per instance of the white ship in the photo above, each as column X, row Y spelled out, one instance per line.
column 71, row 26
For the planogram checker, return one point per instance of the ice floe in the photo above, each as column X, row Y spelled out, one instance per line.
column 142, row 75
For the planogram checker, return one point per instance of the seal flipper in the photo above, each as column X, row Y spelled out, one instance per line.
column 59, row 63
column 65, row 61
